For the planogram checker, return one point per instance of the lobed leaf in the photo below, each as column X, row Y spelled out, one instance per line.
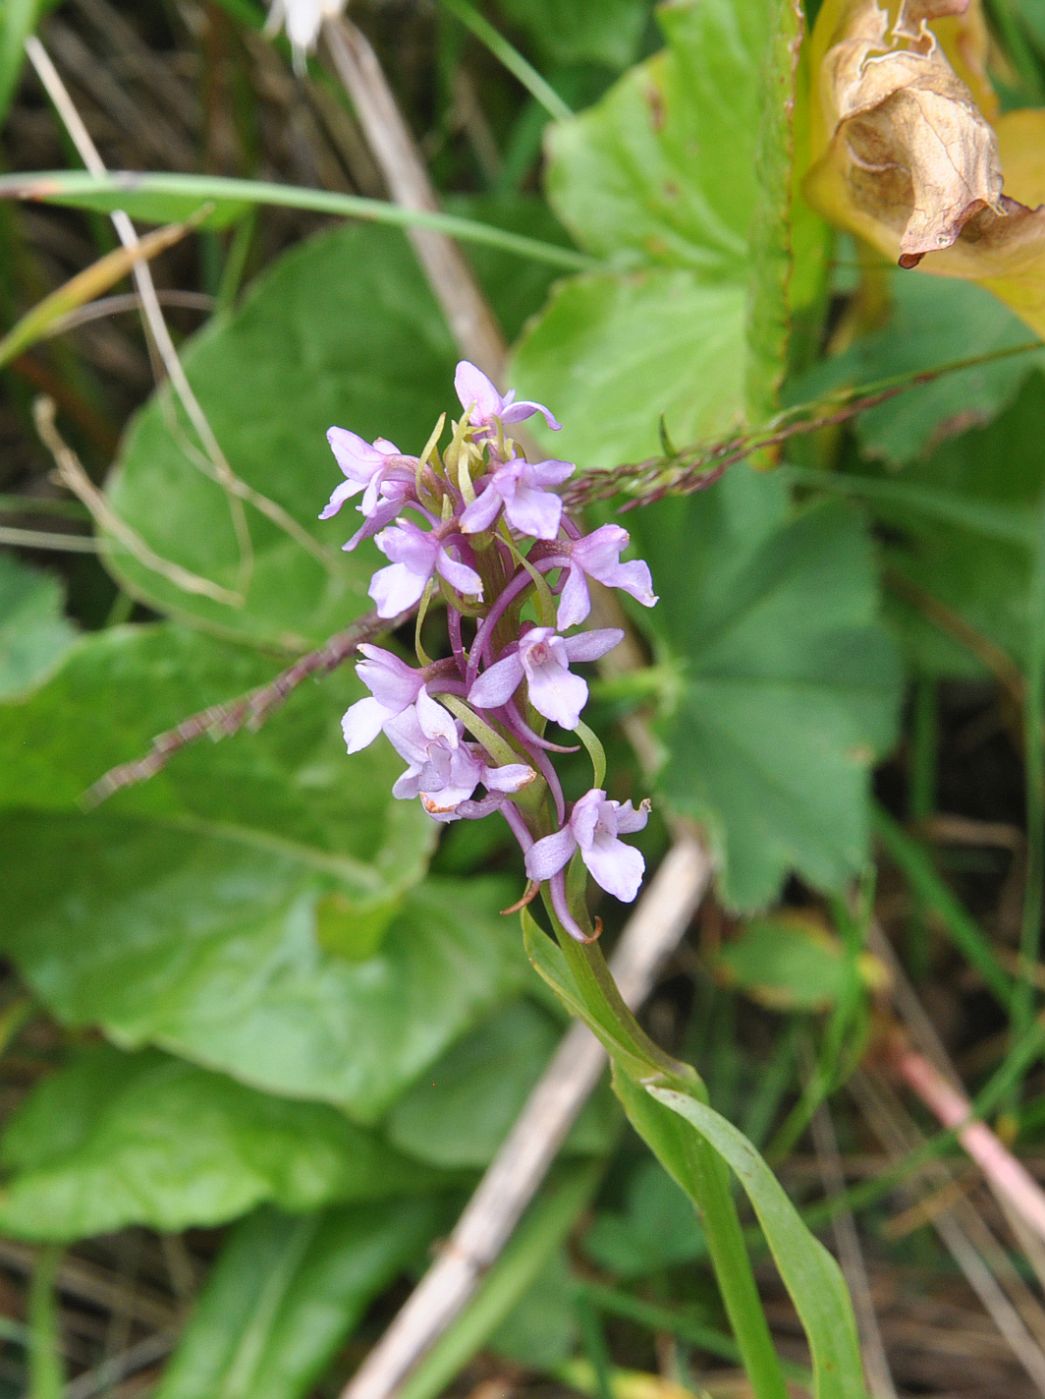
column 786, row 686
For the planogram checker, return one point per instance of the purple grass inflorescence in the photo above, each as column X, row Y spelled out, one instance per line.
column 489, row 534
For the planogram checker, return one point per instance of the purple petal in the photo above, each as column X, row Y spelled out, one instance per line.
column 406, row 544
column 387, row 510
column 436, row 722
column 634, row 578
column 557, row 694
column 459, row 575
column 343, row 491
column 406, row 736
column 511, row 777
column 548, row 473
column 482, row 512
column 362, row 722
column 547, row 856
column 356, row 457
column 574, row 600
column 525, row 408
column 476, row 392
column 408, row 786
column 630, row 818
column 533, row 512
column 388, row 678
column 615, row 867
column 585, row 815
column 590, row 645
column 601, row 549
column 395, row 589
column 497, row 683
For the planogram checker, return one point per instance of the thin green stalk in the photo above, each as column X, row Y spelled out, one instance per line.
column 1023, row 996
column 686, row 1328
column 921, row 800
column 594, row 1342
column 995, row 1091
column 159, row 197
column 963, row 931
column 46, row 1380
column 707, row 1176
column 508, row 55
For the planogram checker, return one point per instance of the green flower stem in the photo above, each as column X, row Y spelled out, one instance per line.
column 637, row 1061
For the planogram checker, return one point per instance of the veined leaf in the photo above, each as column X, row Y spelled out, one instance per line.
column 786, row 686
column 667, row 175
column 116, row 1139
column 187, row 911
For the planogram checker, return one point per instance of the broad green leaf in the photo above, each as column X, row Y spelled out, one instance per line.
column 810, row 1274
column 34, row 633
column 287, row 793
column 786, row 689
column 208, row 947
column 771, row 237
column 585, row 31
column 615, row 353
column 932, row 322
column 460, row 1111
column 286, row 1293
column 343, row 330
column 189, row 911
column 117, row 1139
column 671, row 176
column 663, row 167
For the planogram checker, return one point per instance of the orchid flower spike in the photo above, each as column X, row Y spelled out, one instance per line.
column 485, row 406
column 594, row 828
column 543, row 659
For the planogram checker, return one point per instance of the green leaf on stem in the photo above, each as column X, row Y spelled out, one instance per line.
column 810, row 1274
column 116, row 1139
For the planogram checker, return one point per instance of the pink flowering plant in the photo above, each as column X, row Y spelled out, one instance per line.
column 479, row 527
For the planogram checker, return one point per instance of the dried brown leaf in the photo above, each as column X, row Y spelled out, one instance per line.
column 908, row 160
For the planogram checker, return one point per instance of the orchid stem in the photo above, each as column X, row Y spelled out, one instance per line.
column 707, row 1178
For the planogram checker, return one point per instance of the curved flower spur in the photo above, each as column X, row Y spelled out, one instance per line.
column 482, row 526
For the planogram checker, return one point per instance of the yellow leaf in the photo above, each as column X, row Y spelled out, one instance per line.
column 906, row 158
column 47, row 314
